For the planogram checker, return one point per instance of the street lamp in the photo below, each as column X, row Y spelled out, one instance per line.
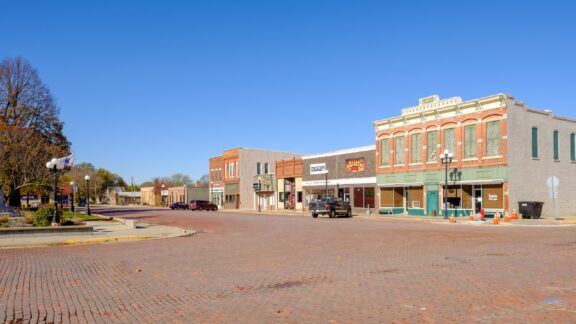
column 258, row 193
column 87, row 178
column 53, row 166
column 72, row 184
column 162, row 196
column 446, row 159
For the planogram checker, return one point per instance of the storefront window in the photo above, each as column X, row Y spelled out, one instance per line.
column 415, row 197
column 493, row 196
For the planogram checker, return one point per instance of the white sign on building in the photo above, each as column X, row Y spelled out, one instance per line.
column 318, row 168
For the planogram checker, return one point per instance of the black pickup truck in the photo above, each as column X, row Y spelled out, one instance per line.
column 331, row 206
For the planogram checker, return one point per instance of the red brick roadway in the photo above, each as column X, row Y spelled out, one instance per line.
column 277, row 268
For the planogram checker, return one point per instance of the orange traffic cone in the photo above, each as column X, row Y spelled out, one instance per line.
column 471, row 217
column 452, row 219
column 496, row 219
column 514, row 214
column 506, row 218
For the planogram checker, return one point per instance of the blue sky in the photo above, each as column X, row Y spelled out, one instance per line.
column 154, row 88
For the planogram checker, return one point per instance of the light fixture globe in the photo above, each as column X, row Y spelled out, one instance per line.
column 442, row 156
column 50, row 165
column 450, row 155
column 446, row 152
column 72, row 183
column 87, row 178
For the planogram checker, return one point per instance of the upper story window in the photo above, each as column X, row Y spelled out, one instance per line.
column 226, row 170
column 384, row 152
column 556, row 155
column 258, row 168
column 415, row 148
column 232, row 165
column 572, row 147
column 432, row 145
column 450, row 141
column 265, row 168
column 470, row 141
column 399, row 150
column 493, row 138
column 534, row 142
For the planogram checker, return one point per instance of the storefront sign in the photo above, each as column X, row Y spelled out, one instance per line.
column 355, row 165
column 493, row 197
column 318, row 168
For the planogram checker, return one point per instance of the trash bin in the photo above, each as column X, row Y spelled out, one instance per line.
column 530, row 209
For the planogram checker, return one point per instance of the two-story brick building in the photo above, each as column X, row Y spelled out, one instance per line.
column 242, row 169
column 503, row 152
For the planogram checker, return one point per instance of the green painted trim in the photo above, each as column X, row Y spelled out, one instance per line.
column 436, row 177
column 391, row 211
column 556, row 155
column 460, row 212
column 416, row 212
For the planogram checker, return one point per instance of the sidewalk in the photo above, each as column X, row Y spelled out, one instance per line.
column 422, row 219
column 104, row 231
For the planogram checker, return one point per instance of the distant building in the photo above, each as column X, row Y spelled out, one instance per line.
column 349, row 174
column 216, row 184
column 150, row 196
column 243, row 169
column 186, row 194
column 289, row 177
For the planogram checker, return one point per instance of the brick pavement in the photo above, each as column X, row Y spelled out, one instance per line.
column 256, row 268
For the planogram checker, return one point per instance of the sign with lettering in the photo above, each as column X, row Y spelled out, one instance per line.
column 493, row 197
column 355, row 165
column 318, row 168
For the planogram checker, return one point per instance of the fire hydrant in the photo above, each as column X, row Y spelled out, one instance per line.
column 482, row 213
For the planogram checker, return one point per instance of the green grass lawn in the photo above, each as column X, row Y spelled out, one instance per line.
column 84, row 217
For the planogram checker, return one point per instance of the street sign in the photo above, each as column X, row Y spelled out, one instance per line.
column 552, row 183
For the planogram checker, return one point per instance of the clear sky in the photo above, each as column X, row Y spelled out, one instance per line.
column 151, row 88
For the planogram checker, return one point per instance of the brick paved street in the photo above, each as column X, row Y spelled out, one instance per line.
column 256, row 268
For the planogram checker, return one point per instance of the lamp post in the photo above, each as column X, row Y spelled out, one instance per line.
column 87, row 178
column 258, row 193
column 72, row 184
column 52, row 165
column 162, row 195
column 446, row 159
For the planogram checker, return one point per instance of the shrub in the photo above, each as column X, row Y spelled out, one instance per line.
column 43, row 216
column 4, row 219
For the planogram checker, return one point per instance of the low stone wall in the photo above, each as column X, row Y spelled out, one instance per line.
column 56, row 230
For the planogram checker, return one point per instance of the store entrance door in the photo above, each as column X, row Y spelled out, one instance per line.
column 431, row 202
column 477, row 200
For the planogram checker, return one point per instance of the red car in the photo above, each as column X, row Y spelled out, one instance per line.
column 202, row 205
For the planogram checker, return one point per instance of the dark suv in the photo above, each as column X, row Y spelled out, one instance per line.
column 178, row 205
column 202, row 205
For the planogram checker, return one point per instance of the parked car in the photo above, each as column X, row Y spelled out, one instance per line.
column 331, row 206
column 202, row 205
column 178, row 205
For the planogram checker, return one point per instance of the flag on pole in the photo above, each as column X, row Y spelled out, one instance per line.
column 66, row 162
